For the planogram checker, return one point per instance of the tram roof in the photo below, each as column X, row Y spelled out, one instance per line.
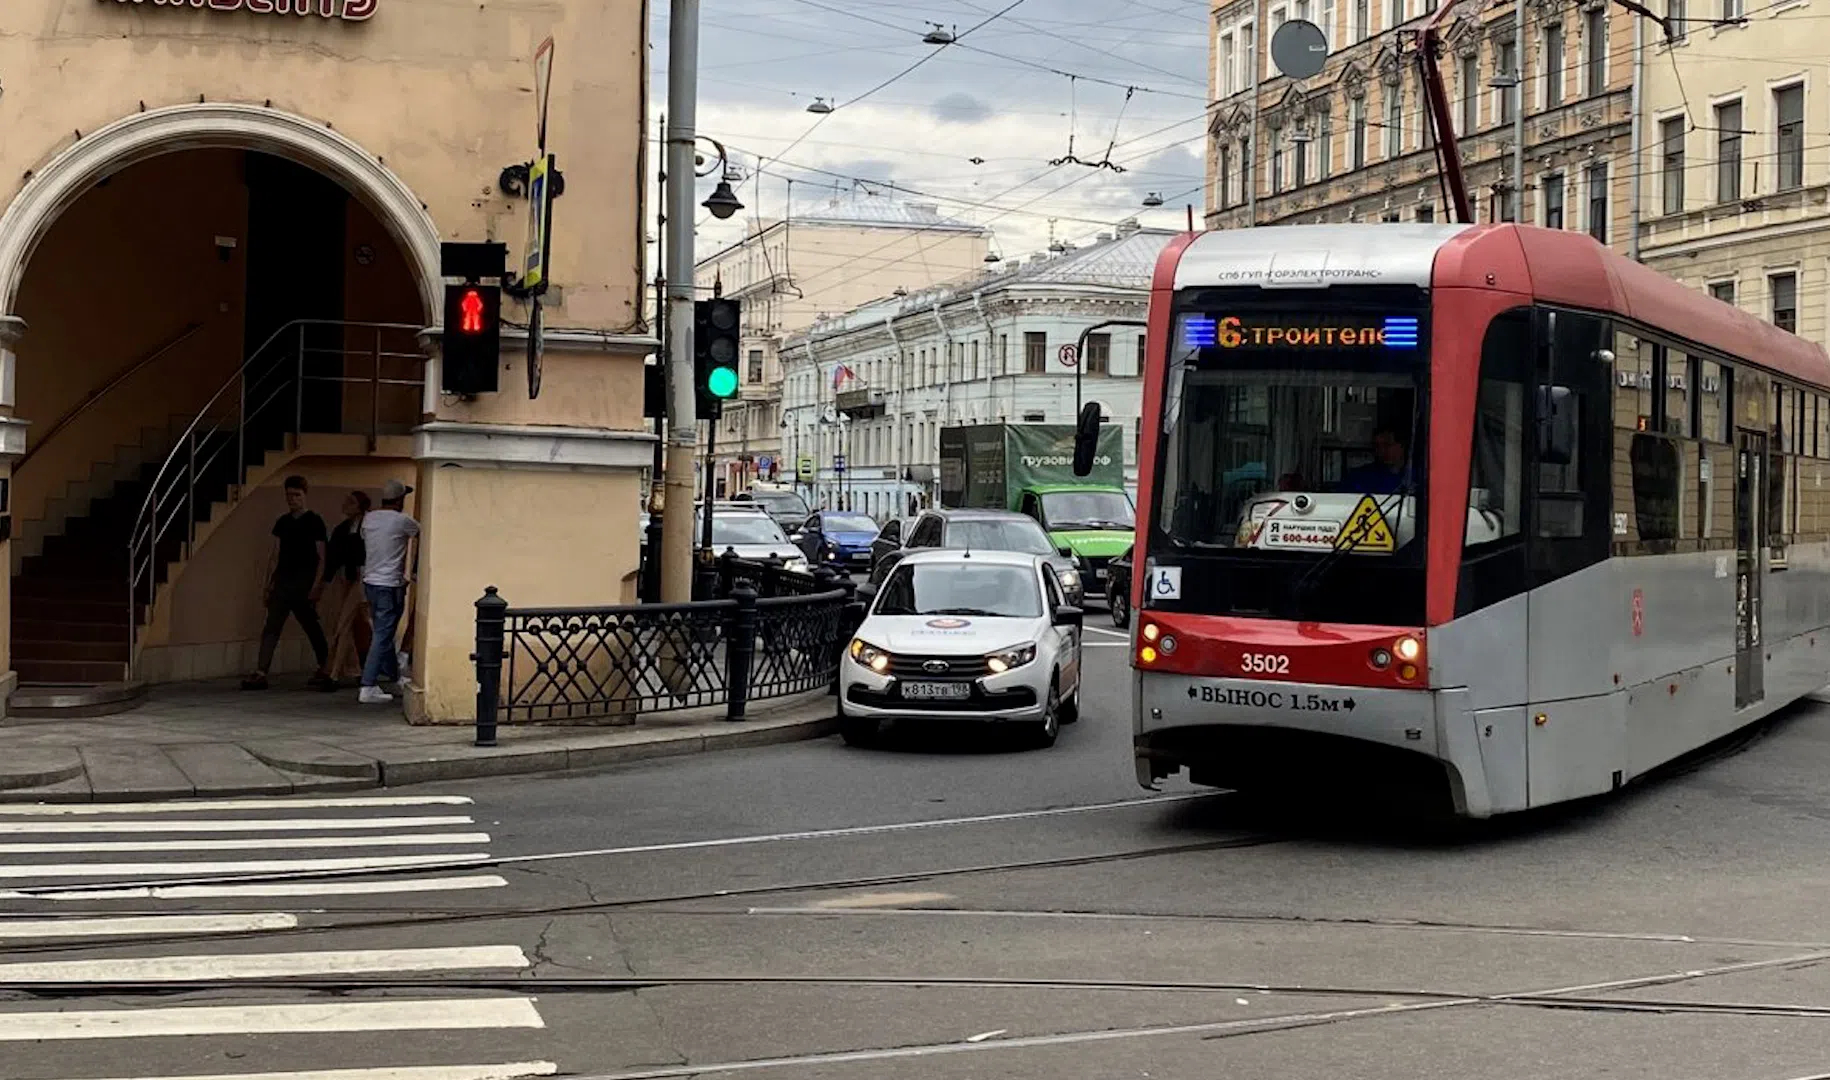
column 1551, row 265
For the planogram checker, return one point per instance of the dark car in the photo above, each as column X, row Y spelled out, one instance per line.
column 889, row 538
column 840, row 538
column 1118, row 589
column 987, row 530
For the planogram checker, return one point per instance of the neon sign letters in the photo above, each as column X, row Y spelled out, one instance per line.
column 1233, row 332
column 347, row 10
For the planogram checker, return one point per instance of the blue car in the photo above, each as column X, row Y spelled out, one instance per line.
column 838, row 538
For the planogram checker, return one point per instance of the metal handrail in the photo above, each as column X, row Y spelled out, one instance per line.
column 107, row 388
column 173, row 490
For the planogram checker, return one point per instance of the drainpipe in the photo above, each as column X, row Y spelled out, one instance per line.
column 991, row 343
column 1634, row 194
column 946, row 382
column 898, row 435
column 1251, row 180
column 1518, row 112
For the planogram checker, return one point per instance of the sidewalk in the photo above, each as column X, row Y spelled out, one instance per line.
column 211, row 739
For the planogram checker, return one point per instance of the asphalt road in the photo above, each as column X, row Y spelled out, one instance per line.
column 941, row 907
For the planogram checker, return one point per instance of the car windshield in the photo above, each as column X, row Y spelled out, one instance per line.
column 780, row 503
column 848, row 523
column 1089, row 510
column 745, row 528
column 1000, row 534
column 959, row 588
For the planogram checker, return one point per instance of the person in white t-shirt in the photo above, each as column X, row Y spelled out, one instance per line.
column 387, row 536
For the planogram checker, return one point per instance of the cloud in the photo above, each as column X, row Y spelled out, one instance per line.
column 961, row 108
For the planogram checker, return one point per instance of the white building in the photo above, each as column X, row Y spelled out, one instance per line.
column 865, row 394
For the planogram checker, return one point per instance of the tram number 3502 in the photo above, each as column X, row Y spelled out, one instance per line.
column 1265, row 663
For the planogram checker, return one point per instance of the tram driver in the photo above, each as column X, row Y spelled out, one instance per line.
column 1387, row 473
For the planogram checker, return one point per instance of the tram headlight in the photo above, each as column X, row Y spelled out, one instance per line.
column 1407, row 672
column 1408, row 648
column 1147, row 654
column 1151, row 632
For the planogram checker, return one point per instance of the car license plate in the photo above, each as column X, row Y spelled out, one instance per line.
column 1099, row 575
column 936, row 691
column 860, row 556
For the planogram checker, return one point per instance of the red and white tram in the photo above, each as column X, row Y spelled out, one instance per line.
column 1480, row 510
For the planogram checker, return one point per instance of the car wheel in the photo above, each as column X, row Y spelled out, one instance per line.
column 1044, row 732
column 1121, row 608
column 1069, row 710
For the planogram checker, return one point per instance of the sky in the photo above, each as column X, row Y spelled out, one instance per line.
column 972, row 126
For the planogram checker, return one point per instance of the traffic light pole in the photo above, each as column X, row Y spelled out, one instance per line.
column 682, row 418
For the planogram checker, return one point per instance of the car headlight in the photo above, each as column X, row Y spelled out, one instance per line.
column 1014, row 657
column 1070, row 579
column 798, row 564
column 870, row 656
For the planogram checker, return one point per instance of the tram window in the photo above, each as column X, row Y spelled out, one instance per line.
column 1677, row 393
column 1574, row 445
column 1712, row 403
column 1497, row 475
column 1634, row 367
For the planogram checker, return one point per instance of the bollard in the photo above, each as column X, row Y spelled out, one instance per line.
column 740, row 649
column 492, row 619
column 651, row 562
column 851, row 617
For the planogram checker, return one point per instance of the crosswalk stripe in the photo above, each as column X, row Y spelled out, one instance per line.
column 290, row 888
column 193, row 806
column 124, row 925
column 243, row 843
column 316, row 1018
column 264, row 965
column 256, row 866
column 309, row 824
column 514, row 1070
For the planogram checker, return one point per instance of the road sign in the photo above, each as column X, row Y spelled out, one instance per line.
column 838, row 463
column 539, row 224
column 1299, row 48
column 765, row 463
column 803, row 469
column 1069, row 354
column 543, row 89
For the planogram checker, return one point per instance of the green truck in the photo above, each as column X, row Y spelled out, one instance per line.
column 1029, row 468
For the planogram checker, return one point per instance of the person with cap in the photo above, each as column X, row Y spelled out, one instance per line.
column 387, row 537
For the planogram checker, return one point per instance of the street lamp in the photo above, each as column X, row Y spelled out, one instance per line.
column 722, row 202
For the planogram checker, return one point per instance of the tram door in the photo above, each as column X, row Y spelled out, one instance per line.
column 1750, row 556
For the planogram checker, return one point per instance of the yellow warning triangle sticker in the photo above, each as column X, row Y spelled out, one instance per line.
column 1366, row 530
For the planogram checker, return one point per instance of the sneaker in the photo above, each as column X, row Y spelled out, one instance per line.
column 374, row 695
column 322, row 682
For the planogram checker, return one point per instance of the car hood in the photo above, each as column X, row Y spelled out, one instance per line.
column 948, row 635
column 761, row 551
column 1096, row 544
column 852, row 539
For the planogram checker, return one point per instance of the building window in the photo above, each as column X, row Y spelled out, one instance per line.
column 1223, row 177
column 1732, row 9
column 1143, row 353
column 1003, row 354
column 1394, row 120
column 1470, row 94
column 1276, row 136
column 1303, row 8
column 1728, row 151
column 1362, row 20
column 1035, row 353
column 1553, row 65
column 1789, row 109
column 1595, row 49
column 1553, row 201
column 1099, row 354
column 1326, row 22
column 1671, row 136
column 1247, row 181
column 1723, row 291
column 1426, row 212
column 1501, row 208
column 975, row 359
column 1229, row 81
column 1508, row 64
column 1356, row 119
column 755, row 373
column 1278, row 18
column 1300, row 174
column 1324, row 154
column 1394, row 13
column 1783, row 288
column 1676, row 13
column 1598, row 201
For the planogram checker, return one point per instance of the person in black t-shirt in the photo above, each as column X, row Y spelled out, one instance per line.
column 295, row 580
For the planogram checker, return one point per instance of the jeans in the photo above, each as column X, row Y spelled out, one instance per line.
column 292, row 598
column 385, row 605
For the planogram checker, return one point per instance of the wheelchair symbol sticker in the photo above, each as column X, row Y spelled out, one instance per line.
column 1166, row 583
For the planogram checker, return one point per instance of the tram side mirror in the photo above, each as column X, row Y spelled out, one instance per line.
column 1086, row 438
column 1556, row 425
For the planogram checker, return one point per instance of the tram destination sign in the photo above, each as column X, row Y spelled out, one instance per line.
column 1305, row 332
column 346, row 10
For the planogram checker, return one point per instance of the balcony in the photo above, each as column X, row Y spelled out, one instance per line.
column 865, row 404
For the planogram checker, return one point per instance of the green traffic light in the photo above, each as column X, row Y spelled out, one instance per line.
column 722, row 382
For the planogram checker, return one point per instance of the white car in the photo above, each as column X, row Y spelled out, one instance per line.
column 964, row 635
column 752, row 534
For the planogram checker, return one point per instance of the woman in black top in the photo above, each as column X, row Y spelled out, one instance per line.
column 349, row 622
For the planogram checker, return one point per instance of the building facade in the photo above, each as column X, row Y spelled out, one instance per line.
column 790, row 272
column 866, row 393
column 1736, row 188
column 1352, row 142
column 220, row 239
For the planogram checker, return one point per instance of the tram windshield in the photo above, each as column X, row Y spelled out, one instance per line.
column 1292, row 450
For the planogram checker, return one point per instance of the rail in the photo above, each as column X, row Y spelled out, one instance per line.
column 611, row 664
column 107, row 388
column 241, row 421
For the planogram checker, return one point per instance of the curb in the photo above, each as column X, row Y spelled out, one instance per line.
column 40, row 767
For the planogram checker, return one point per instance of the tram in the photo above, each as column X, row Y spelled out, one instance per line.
column 1482, row 513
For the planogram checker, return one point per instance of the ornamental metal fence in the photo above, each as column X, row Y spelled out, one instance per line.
column 771, row 633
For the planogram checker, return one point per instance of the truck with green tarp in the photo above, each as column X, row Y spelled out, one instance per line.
column 1029, row 468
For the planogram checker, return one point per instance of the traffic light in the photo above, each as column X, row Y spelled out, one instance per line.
column 473, row 339
column 715, row 336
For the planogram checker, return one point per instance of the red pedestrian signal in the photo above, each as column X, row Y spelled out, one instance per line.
column 472, row 309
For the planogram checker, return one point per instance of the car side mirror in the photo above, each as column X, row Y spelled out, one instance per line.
column 797, row 536
column 1086, row 438
column 1069, row 615
column 1065, row 551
